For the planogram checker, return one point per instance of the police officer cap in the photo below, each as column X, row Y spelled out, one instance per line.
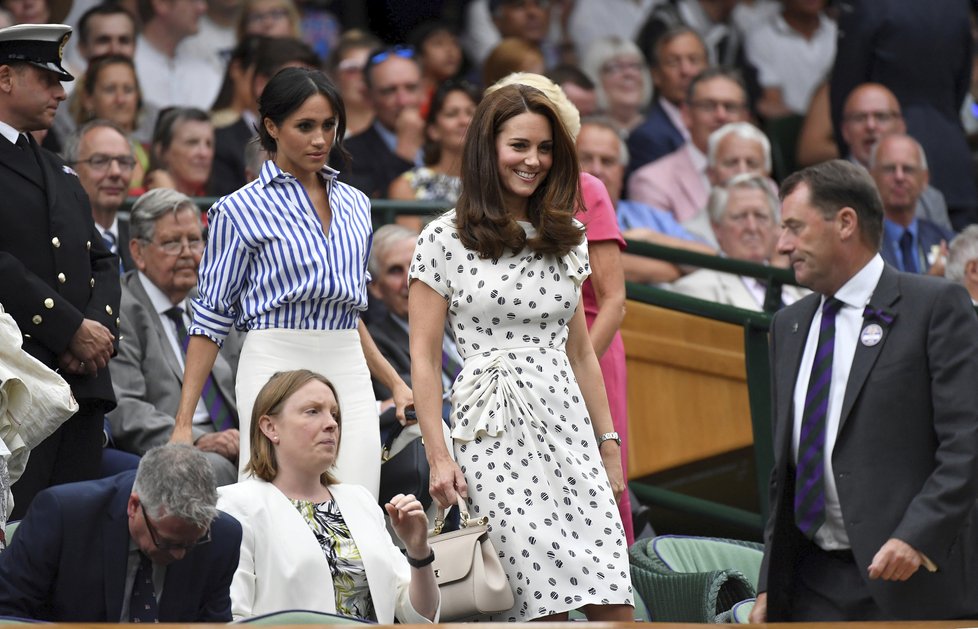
column 41, row 45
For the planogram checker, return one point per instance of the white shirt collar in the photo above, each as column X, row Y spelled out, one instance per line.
column 159, row 300
column 114, row 230
column 9, row 132
column 859, row 289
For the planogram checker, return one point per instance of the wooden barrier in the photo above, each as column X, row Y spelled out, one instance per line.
column 687, row 388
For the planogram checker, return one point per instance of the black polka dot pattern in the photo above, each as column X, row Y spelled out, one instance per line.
column 521, row 430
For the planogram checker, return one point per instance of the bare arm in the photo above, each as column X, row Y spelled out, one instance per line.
column 815, row 141
column 588, row 374
column 400, row 189
column 608, row 280
column 382, row 371
column 427, row 311
column 201, row 354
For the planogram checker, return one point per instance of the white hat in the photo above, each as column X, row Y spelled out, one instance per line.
column 41, row 45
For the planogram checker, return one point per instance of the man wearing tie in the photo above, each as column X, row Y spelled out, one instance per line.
column 102, row 156
column 911, row 243
column 166, row 245
column 143, row 546
column 875, row 413
column 57, row 280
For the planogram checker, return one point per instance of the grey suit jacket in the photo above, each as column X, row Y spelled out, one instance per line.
column 906, row 455
column 147, row 376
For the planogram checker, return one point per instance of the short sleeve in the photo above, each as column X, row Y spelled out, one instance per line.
column 598, row 216
column 576, row 262
column 432, row 254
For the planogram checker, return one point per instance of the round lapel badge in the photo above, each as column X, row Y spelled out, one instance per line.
column 871, row 335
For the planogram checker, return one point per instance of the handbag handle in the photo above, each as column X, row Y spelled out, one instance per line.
column 464, row 518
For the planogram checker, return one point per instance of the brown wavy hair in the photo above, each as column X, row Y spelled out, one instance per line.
column 482, row 221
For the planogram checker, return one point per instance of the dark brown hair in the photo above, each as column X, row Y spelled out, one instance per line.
column 270, row 401
column 836, row 184
column 482, row 221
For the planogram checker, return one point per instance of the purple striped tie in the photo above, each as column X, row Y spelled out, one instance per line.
column 810, row 469
column 218, row 409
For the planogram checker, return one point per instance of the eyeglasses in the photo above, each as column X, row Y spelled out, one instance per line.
column 271, row 15
column 175, row 247
column 880, row 117
column 729, row 107
column 619, row 67
column 167, row 545
column 404, row 52
column 100, row 162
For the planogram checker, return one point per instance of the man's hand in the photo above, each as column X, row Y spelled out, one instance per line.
column 759, row 613
column 409, row 128
column 895, row 561
column 92, row 345
column 71, row 364
column 225, row 443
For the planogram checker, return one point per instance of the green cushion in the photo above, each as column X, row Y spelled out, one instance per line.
column 706, row 554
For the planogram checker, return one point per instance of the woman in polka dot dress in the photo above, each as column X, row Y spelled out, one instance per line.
column 529, row 407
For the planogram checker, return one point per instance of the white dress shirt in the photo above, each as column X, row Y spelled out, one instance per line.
column 855, row 295
column 181, row 80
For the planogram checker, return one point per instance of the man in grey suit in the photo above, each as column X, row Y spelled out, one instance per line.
column 166, row 246
column 874, row 487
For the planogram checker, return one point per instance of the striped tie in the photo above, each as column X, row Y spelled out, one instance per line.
column 220, row 414
column 810, row 470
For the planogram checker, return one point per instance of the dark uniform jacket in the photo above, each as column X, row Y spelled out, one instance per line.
column 55, row 270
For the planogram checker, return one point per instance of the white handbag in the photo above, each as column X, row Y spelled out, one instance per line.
column 467, row 569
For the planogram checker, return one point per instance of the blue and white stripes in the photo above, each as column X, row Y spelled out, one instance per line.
column 268, row 263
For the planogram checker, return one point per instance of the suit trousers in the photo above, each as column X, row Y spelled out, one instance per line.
column 72, row 453
column 829, row 587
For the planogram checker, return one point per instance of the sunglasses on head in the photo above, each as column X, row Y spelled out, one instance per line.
column 404, row 52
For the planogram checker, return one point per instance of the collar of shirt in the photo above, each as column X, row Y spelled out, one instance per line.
column 675, row 117
column 781, row 26
column 271, row 173
column 894, row 232
column 9, row 132
column 859, row 289
column 114, row 230
column 159, row 300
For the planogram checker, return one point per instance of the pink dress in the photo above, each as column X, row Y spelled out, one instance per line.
column 601, row 224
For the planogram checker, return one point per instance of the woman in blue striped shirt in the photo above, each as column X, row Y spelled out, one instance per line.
column 286, row 260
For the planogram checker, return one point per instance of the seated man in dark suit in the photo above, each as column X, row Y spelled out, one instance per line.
column 910, row 243
column 144, row 546
column 677, row 56
column 392, row 144
column 390, row 259
column 167, row 243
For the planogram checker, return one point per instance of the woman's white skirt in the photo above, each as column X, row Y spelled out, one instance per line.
column 336, row 354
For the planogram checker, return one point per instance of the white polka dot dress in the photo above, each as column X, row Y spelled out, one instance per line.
column 522, row 435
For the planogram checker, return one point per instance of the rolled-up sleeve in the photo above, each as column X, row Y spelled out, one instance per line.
column 222, row 274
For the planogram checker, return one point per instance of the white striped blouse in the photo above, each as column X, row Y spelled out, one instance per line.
column 268, row 263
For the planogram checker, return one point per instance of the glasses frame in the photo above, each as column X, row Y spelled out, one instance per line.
column 184, row 242
column 166, row 546
column 118, row 159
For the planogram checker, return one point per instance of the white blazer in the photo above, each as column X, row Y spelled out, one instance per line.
column 282, row 565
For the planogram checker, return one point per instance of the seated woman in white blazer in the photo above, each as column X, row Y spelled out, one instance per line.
column 310, row 543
